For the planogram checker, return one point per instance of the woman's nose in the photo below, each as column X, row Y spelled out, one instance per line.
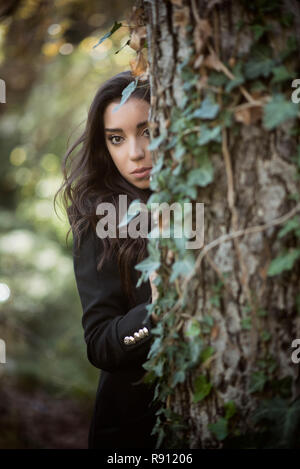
column 135, row 149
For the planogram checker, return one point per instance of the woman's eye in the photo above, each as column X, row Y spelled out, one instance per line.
column 112, row 137
column 148, row 132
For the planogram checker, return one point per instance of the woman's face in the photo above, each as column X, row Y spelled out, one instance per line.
column 127, row 139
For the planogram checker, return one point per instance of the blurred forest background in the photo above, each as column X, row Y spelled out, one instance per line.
column 52, row 73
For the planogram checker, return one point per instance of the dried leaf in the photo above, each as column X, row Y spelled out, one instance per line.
column 138, row 65
column 212, row 61
column 249, row 115
column 214, row 332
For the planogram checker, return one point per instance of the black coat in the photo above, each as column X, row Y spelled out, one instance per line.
column 123, row 415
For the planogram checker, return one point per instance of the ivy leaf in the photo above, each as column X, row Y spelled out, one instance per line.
column 258, row 381
column 238, row 77
column 113, row 29
column 183, row 267
column 155, row 142
column 283, row 262
column 285, row 418
column 219, row 429
column 260, row 62
column 280, row 73
column 201, row 176
column 209, row 134
column 147, row 265
column 193, row 329
column 293, row 224
column 246, row 323
column 179, row 377
column 195, row 347
column 126, row 93
column 230, row 409
column 202, row 388
column 278, row 110
column 208, row 110
column 207, row 353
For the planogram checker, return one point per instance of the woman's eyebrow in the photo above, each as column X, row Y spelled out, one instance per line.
column 141, row 124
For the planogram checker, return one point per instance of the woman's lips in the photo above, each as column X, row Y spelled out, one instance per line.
column 142, row 174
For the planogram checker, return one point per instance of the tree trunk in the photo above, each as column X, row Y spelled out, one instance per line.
column 247, row 312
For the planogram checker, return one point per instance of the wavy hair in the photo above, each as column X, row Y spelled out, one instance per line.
column 90, row 177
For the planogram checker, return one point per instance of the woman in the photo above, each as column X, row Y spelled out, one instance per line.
column 117, row 328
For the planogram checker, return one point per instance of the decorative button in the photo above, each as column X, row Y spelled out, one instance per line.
column 136, row 336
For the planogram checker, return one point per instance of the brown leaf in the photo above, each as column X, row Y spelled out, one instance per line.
column 136, row 18
column 214, row 332
column 138, row 65
column 249, row 115
column 212, row 61
column 137, row 39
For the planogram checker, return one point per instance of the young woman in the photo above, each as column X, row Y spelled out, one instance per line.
column 117, row 330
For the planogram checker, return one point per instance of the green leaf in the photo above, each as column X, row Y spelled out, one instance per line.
column 148, row 265
column 201, row 388
column 258, row 381
column 284, row 418
column 258, row 30
column 217, row 79
column 201, row 176
column 179, row 377
column 265, row 335
column 290, row 225
column 260, row 62
column 246, row 323
column 193, row 329
column 283, row 262
column 183, row 267
column 230, row 409
column 238, row 78
column 209, row 134
column 219, row 429
column 280, row 73
column 157, row 141
column 278, row 110
column 206, row 353
column 126, row 93
column 208, row 110
column 113, row 29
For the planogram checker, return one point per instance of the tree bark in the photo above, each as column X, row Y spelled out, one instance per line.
column 254, row 185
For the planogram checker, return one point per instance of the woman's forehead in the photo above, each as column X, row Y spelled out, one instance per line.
column 131, row 112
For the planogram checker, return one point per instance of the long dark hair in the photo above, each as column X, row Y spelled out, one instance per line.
column 91, row 177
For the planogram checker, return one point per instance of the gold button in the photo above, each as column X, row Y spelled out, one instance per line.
column 126, row 340
column 145, row 330
column 137, row 336
column 132, row 339
column 141, row 333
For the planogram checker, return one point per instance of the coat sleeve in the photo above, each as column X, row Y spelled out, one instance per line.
column 105, row 320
